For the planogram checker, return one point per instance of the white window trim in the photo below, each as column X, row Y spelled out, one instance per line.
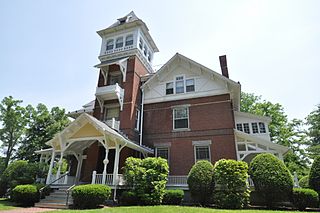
column 195, row 151
column 173, row 118
column 184, row 85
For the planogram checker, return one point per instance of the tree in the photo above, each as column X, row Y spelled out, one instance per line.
column 282, row 131
column 13, row 126
column 313, row 120
column 41, row 127
column 314, row 176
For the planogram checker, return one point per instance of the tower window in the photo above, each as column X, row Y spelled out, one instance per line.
column 149, row 56
column 145, row 50
column 129, row 40
column 110, row 44
column 140, row 43
column 119, row 42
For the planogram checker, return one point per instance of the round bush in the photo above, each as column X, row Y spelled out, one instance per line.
column 173, row 197
column 200, row 182
column 304, row 182
column 90, row 196
column 314, row 176
column 230, row 179
column 46, row 191
column 129, row 198
column 25, row 195
column 271, row 177
column 303, row 198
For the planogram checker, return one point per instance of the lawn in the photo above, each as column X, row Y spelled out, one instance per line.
column 165, row 209
column 6, row 205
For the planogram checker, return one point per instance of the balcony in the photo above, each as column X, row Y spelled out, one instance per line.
column 110, row 92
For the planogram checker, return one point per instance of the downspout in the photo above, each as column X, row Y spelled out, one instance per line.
column 141, row 117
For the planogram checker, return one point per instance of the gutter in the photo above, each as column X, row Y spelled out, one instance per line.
column 141, row 117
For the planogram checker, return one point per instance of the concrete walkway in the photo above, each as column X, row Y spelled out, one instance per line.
column 27, row 210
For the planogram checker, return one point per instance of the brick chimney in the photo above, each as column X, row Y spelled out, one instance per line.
column 224, row 66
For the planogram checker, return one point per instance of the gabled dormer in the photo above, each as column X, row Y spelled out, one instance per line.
column 128, row 36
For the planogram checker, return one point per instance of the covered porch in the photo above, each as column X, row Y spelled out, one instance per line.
column 92, row 150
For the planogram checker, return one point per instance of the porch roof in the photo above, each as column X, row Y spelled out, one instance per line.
column 86, row 129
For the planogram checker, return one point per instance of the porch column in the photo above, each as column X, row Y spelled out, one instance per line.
column 51, row 166
column 116, row 165
column 105, row 162
column 59, row 163
column 79, row 165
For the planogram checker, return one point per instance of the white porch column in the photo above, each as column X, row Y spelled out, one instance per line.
column 50, row 168
column 79, row 165
column 59, row 168
column 105, row 162
column 94, row 175
column 116, row 165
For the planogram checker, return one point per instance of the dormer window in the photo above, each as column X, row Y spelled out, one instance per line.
column 129, row 40
column 140, row 43
column 119, row 42
column 110, row 44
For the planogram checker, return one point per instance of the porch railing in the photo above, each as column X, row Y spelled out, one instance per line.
column 177, row 180
column 62, row 179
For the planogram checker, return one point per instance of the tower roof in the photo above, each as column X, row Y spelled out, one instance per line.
column 129, row 21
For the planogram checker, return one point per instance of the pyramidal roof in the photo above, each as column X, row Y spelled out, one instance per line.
column 131, row 17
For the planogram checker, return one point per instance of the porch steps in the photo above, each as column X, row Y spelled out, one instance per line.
column 57, row 199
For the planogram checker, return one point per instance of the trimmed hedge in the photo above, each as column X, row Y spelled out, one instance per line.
column 304, row 182
column 173, row 197
column 200, row 182
column 303, row 198
column 230, row 179
column 148, row 178
column 271, row 177
column 25, row 195
column 314, row 176
column 46, row 190
column 129, row 198
column 90, row 196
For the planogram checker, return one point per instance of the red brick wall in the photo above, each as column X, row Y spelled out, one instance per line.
column 210, row 118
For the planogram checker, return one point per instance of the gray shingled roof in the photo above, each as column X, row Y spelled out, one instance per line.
column 131, row 17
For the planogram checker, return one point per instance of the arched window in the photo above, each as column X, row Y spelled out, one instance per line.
column 129, row 40
column 119, row 42
column 110, row 44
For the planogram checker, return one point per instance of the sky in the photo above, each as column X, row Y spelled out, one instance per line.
column 48, row 48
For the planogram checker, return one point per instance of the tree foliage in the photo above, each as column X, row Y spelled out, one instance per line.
column 314, row 176
column 41, row 127
column 313, row 120
column 13, row 123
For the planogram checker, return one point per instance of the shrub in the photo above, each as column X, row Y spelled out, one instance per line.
column 304, row 182
column 25, row 195
column 46, row 191
column 148, row 178
column 200, row 182
column 89, row 196
column 314, row 176
column 173, row 197
column 128, row 198
column 303, row 198
column 271, row 177
column 18, row 173
column 230, row 179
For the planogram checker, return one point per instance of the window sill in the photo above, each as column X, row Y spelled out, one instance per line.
column 181, row 130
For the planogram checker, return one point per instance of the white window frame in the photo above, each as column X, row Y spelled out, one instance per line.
column 240, row 124
column 109, row 41
column 255, row 131
column 174, row 81
column 119, row 38
column 248, row 128
column 126, row 40
column 137, row 120
column 172, row 87
column 194, row 85
column 204, row 143
column 163, row 147
column 264, row 125
column 188, row 117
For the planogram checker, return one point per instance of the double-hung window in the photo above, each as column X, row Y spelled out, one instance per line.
column 169, row 88
column 163, row 152
column 181, row 118
column 202, row 153
column 190, row 85
column 119, row 42
column 129, row 40
column 137, row 122
column 110, row 44
column 179, row 84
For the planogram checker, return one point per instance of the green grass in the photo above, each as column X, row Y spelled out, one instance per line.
column 165, row 209
column 6, row 205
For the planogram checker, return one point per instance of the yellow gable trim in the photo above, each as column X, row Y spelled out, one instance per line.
column 86, row 131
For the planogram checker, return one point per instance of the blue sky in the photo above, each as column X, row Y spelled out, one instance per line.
column 48, row 48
